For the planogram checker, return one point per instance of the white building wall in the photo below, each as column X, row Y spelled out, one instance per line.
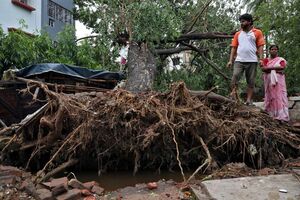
column 11, row 14
column 38, row 13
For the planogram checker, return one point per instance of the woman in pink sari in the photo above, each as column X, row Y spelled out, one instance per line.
column 276, row 101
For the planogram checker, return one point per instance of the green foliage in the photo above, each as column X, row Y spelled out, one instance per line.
column 219, row 17
column 147, row 20
column 65, row 46
column 2, row 36
column 18, row 50
column 153, row 21
column 85, row 55
column 279, row 20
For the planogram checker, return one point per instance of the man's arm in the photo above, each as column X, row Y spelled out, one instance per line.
column 261, row 54
column 232, row 55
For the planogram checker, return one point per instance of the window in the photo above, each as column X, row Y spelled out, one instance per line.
column 176, row 61
column 51, row 22
column 59, row 13
column 51, row 9
column 24, row 1
column 67, row 16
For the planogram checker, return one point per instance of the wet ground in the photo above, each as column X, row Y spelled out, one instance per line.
column 115, row 180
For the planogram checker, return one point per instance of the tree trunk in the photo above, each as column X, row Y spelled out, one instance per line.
column 141, row 68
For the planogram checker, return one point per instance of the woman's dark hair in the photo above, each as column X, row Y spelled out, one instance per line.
column 273, row 45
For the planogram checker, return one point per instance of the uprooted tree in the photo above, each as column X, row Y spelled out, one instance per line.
column 153, row 28
column 179, row 129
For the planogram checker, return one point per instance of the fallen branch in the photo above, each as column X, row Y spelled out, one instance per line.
column 60, row 168
column 211, row 96
column 207, row 61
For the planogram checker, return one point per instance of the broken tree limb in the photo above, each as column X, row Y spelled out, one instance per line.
column 214, row 66
column 185, row 37
column 211, row 96
column 175, row 50
column 58, row 169
column 206, row 60
column 201, row 36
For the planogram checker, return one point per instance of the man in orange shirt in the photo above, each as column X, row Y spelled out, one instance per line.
column 247, row 50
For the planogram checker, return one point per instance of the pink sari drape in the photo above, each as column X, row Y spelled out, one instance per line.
column 276, row 101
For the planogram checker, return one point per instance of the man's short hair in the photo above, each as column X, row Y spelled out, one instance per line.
column 246, row 17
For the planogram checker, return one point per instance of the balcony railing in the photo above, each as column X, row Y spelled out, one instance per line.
column 23, row 5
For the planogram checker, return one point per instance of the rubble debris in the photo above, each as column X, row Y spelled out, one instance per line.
column 152, row 185
column 16, row 184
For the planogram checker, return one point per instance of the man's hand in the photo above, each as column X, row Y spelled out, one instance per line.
column 261, row 62
column 229, row 64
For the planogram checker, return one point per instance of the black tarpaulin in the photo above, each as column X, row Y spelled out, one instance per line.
column 68, row 70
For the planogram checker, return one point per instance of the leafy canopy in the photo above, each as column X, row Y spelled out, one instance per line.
column 18, row 50
column 143, row 20
column 279, row 20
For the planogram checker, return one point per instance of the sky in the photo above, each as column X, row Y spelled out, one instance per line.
column 81, row 30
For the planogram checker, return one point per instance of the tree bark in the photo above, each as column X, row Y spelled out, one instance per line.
column 141, row 68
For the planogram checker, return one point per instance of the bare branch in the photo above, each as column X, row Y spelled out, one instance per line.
column 175, row 50
column 214, row 66
column 201, row 36
column 198, row 15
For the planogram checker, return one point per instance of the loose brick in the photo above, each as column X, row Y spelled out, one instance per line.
column 44, row 194
column 70, row 195
column 97, row 189
column 86, row 192
column 4, row 180
column 56, row 182
column 90, row 185
column 74, row 183
column 60, row 189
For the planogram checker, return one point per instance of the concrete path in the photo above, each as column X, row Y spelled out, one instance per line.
column 273, row 187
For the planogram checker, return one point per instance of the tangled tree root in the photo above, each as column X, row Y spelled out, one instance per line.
column 121, row 130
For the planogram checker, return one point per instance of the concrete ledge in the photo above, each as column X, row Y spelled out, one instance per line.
column 259, row 188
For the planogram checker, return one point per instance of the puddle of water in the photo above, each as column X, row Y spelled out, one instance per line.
column 115, row 180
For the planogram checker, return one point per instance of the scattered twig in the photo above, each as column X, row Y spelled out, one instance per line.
column 9, row 143
column 70, row 136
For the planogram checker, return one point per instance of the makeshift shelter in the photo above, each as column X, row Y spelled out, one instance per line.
column 58, row 77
